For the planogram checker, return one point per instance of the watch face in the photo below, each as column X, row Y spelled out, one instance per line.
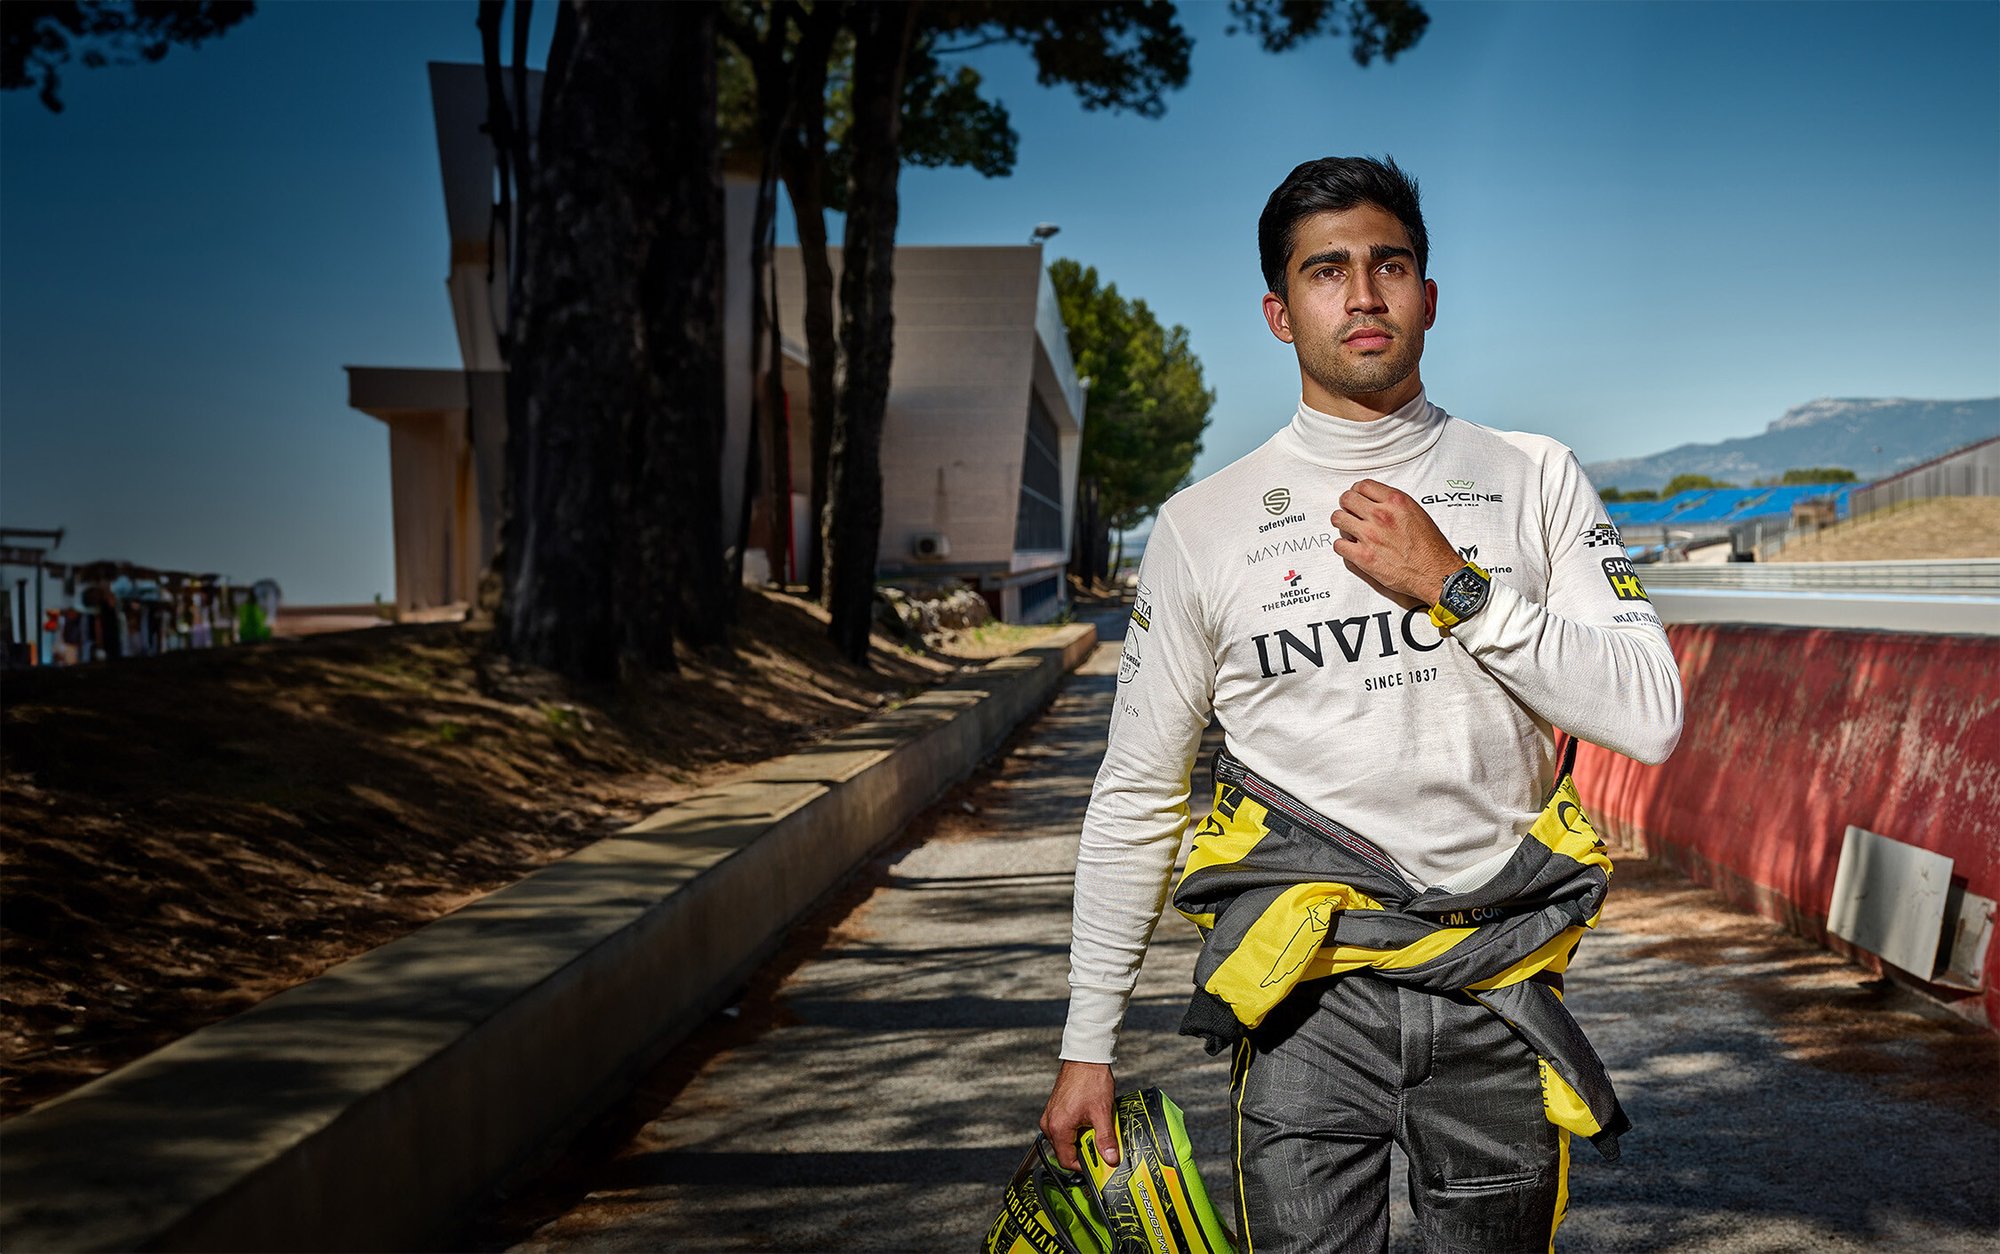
column 1464, row 593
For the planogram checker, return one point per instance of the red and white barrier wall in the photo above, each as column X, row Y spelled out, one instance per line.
column 1792, row 734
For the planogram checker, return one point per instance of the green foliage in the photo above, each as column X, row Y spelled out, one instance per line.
column 1145, row 406
column 1375, row 27
column 36, row 35
column 1819, row 474
column 945, row 120
column 1636, row 494
column 1691, row 483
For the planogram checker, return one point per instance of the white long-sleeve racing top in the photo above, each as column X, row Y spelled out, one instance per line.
column 1438, row 748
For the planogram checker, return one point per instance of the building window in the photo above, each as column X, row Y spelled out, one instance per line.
column 1041, row 599
column 1039, row 523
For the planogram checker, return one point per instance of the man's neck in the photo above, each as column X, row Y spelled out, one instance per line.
column 1360, row 406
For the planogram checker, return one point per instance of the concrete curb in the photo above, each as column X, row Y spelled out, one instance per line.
column 367, row 1108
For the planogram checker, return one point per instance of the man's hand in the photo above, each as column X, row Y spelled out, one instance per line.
column 1388, row 540
column 1083, row 1098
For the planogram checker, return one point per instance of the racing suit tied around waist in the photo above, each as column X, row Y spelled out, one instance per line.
column 1283, row 894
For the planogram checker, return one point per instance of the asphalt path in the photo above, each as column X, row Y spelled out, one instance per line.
column 879, row 1088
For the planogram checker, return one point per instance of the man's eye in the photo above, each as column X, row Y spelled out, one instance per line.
column 1392, row 267
column 1324, row 271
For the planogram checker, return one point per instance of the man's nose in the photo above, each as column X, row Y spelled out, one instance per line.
column 1363, row 296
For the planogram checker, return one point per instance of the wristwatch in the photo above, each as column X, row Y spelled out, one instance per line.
column 1464, row 595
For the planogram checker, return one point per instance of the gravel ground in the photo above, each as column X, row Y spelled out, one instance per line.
column 878, row 1088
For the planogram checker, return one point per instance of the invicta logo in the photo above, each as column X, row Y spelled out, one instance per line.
column 1623, row 579
column 1277, row 500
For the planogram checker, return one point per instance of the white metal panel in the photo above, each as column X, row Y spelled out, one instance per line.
column 1908, row 611
column 1889, row 899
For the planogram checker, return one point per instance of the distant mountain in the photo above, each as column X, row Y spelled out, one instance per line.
column 1872, row 438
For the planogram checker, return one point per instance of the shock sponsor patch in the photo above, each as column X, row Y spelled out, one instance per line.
column 1623, row 579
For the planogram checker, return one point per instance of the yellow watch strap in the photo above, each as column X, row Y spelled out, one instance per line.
column 1442, row 618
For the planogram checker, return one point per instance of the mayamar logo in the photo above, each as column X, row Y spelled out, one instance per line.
column 1352, row 636
column 1278, row 500
column 1287, row 520
column 1297, row 544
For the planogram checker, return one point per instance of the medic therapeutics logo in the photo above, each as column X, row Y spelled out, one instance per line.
column 1296, row 592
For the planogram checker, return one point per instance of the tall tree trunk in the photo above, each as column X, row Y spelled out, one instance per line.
column 882, row 36
column 804, row 179
column 614, row 531
column 1083, row 535
column 760, row 470
column 803, row 160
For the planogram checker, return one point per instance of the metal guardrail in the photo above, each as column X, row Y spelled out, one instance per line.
column 1975, row 577
column 1957, row 614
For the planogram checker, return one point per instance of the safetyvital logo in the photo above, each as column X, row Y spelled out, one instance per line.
column 1623, row 579
column 1601, row 535
column 1287, row 548
column 1277, row 500
column 1285, row 521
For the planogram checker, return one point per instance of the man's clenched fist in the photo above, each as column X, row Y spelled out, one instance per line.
column 1390, row 541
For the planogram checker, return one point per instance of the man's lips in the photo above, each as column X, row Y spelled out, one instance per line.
column 1368, row 338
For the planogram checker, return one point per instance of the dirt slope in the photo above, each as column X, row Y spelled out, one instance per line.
column 182, row 836
column 1943, row 527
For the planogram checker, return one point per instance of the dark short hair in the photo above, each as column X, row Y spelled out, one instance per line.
column 1331, row 184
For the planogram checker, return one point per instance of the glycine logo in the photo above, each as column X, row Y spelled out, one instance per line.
column 1277, row 500
column 1462, row 484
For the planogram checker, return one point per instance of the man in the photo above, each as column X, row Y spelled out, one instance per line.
column 1289, row 596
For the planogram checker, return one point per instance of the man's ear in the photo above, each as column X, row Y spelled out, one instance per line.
column 1430, row 303
column 1279, row 318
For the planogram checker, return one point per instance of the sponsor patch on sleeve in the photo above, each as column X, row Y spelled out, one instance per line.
column 1142, row 608
column 1623, row 579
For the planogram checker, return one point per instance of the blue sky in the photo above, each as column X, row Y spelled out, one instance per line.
column 1650, row 224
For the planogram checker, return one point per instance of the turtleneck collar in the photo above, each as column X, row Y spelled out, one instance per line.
column 1342, row 444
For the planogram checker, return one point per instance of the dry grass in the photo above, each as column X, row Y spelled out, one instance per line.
column 188, row 834
column 1942, row 527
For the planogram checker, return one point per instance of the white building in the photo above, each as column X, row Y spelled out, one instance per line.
column 979, row 447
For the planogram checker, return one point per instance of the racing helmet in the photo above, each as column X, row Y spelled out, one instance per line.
column 1151, row 1202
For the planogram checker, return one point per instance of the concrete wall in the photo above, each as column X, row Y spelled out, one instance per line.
column 966, row 357
column 369, row 1108
column 1791, row 735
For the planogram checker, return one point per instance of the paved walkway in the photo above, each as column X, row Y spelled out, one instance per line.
column 909, row 1056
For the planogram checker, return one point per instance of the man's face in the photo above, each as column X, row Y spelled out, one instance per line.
column 1354, row 307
